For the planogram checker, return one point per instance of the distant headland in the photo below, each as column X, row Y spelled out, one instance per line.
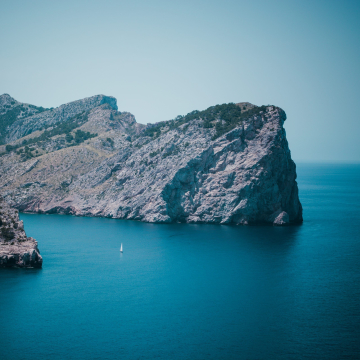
column 228, row 164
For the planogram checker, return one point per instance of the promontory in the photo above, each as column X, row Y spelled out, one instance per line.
column 228, row 164
column 16, row 249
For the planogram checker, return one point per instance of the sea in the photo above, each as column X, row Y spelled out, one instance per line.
column 182, row 291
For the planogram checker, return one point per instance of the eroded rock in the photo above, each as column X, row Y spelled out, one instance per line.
column 16, row 249
column 196, row 169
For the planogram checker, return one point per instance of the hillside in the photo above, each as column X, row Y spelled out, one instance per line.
column 227, row 164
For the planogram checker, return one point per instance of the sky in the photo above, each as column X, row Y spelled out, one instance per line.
column 161, row 59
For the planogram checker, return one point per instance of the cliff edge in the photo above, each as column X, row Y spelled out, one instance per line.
column 228, row 164
column 16, row 249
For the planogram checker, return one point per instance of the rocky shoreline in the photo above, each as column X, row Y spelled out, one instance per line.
column 16, row 249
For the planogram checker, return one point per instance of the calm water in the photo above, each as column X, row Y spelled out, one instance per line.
column 193, row 291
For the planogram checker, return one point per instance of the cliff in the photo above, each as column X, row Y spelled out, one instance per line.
column 16, row 249
column 228, row 164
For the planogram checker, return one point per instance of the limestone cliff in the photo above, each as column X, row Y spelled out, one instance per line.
column 227, row 164
column 16, row 249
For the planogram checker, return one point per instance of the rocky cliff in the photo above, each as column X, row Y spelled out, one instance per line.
column 16, row 249
column 228, row 164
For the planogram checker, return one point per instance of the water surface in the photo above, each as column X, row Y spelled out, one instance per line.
column 193, row 291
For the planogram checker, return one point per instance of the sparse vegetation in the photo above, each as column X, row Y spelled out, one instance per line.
column 223, row 117
column 59, row 129
column 9, row 148
column 81, row 136
column 69, row 138
column 12, row 115
column 110, row 141
column 173, row 151
column 230, row 120
column 6, row 120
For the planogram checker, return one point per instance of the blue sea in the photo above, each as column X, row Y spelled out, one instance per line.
column 182, row 291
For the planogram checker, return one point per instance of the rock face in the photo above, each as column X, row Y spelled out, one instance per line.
column 30, row 118
column 229, row 164
column 16, row 249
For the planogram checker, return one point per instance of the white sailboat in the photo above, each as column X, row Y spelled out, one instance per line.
column 121, row 250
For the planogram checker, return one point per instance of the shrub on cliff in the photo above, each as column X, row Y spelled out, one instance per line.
column 81, row 136
column 9, row 148
column 6, row 120
column 69, row 137
column 223, row 117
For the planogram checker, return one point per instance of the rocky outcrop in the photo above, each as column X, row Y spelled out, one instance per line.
column 29, row 118
column 16, row 249
column 229, row 164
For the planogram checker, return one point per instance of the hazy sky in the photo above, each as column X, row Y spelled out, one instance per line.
column 165, row 58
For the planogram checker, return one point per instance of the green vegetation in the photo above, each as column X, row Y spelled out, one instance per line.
column 12, row 115
column 9, row 148
column 231, row 118
column 184, row 129
column 26, row 155
column 69, row 137
column 223, row 117
column 81, row 136
column 171, row 152
column 6, row 120
column 62, row 128
column 109, row 142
